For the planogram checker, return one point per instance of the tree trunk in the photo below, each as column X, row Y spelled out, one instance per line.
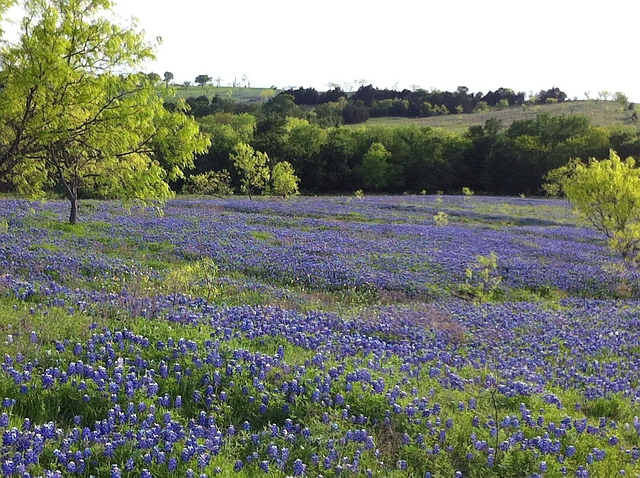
column 72, row 191
column 73, row 215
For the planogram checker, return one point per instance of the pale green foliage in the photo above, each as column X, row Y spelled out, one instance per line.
column 214, row 183
column 198, row 278
column 439, row 199
column 267, row 94
column 620, row 98
column 284, row 181
column 300, row 139
column 253, row 167
column 482, row 107
column 374, row 169
column 441, row 219
column 467, row 193
column 227, row 129
column 482, row 278
column 74, row 113
column 359, row 194
column 607, row 194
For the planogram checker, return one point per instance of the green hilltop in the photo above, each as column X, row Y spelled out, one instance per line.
column 599, row 112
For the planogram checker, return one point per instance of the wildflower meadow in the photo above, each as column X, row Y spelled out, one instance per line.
column 399, row 336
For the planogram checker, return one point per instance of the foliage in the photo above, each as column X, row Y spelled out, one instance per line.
column 441, row 218
column 375, row 168
column 154, row 78
column 72, row 117
column 253, row 167
column 213, row 183
column 555, row 178
column 197, row 278
column 203, row 80
column 482, row 279
column 284, row 181
column 168, row 76
column 607, row 193
column 506, row 152
column 554, row 93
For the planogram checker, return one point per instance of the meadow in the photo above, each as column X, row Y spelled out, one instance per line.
column 600, row 113
column 320, row 337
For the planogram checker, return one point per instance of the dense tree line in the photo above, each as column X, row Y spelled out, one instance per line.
column 331, row 158
column 418, row 102
column 335, row 106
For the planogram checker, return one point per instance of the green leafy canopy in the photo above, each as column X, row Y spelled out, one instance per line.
column 607, row 194
column 74, row 113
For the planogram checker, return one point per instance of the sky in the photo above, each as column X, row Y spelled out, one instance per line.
column 481, row 44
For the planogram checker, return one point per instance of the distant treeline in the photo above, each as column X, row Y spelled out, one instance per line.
column 331, row 158
column 417, row 103
column 336, row 106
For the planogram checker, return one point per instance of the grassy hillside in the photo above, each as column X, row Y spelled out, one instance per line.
column 241, row 94
column 601, row 113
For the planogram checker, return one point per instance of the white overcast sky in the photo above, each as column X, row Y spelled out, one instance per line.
column 526, row 45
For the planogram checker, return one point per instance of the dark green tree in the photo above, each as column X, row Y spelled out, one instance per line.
column 203, row 80
column 168, row 76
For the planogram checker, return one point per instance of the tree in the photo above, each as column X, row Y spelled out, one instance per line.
column 554, row 93
column 212, row 183
column 70, row 115
column 281, row 106
column 374, row 169
column 168, row 76
column 154, row 78
column 284, row 181
column 621, row 98
column 607, row 194
column 253, row 167
column 203, row 80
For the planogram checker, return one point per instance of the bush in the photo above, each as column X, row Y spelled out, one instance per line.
column 213, row 183
column 482, row 279
column 607, row 194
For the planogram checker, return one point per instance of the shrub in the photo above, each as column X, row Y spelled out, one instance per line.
column 607, row 194
column 284, row 181
column 441, row 219
column 482, row 279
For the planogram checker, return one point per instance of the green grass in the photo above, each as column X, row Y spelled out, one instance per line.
column 601, row 113
column 240, row 94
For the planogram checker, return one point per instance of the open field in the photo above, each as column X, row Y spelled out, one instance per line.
column 315, row 337
column 600, row 113
column 240, row 94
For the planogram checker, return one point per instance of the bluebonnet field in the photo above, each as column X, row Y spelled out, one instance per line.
column 316, row 337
